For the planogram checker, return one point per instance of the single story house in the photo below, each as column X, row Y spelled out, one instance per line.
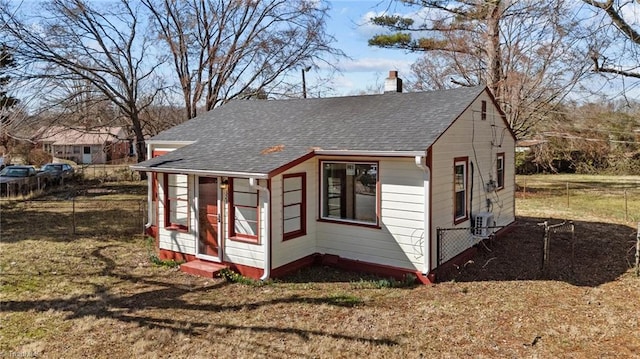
column 86, row 146
column 266, row 187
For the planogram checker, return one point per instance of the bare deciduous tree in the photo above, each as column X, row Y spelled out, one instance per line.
column 234, row 49
column 623, row 56
column 7, row 101
column 102, row 44
column 522, row 50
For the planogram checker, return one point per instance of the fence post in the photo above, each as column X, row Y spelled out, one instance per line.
column 438, row 242
column 545, row 248
column 638, row 251
column 141, row 216
column 73, row 214
column 626, row 208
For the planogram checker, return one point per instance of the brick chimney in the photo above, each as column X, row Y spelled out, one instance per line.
column 392, row 83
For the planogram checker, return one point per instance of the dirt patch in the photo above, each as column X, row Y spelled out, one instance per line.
column 596, row 254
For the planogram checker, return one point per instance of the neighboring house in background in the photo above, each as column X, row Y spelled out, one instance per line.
column 361, row 182
column 529, row 145
column 92, row 146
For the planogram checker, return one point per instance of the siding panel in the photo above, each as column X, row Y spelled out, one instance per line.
column 284, row 252
column 399, row 241
column 479, row 140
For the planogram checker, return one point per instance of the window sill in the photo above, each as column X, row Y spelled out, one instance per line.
column 293, row 235
column 177, row 228
column 245, row 240
column 460, row 220
column 355, row 224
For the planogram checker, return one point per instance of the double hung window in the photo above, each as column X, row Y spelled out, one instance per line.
column 500, row 171
column 176, row 191
column 460, row 189
column 294, row 205
column 244, row 210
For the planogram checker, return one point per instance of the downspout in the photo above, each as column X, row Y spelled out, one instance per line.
column 150, row 213
column 427, row 227
column 253, row 182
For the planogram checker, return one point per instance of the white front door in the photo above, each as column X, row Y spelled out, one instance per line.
column 86, row 154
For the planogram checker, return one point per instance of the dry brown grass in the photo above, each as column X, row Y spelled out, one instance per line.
column 99, row 296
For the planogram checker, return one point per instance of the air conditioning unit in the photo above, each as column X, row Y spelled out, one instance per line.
column 483, row 222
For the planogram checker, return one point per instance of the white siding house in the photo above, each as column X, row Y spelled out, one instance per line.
column 362, row 182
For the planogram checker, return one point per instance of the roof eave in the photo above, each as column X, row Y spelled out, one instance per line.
column 201, row 172
column 365, row 153
column 169, row 142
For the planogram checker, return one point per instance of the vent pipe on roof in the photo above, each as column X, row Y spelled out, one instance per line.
column 392, row 83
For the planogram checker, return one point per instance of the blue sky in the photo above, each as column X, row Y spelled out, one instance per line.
column 367, row 67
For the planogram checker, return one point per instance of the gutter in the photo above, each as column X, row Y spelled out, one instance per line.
column 200, row 172
column 149, row 196
column 364, row 153
column 427, row 226
column 169, row 142
column 267, row 227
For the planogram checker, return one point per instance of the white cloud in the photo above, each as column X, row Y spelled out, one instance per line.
column 631, row 13
column 382, row 65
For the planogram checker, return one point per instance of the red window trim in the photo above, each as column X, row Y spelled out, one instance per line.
column 458, row 220
column 240, row 237
column 346, row 221
column 303, row 207
column 167, row 208
column 154, row 188
column 349, row 223
column 498, row 156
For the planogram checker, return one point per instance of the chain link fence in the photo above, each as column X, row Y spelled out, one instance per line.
column 24, row 186
column 453, row 241
column 57, row 218
column 107, row 172
column 609, row 197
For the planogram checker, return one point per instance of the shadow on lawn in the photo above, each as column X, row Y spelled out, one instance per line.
column 602, row 254
column 56, row 221
column 170, row 297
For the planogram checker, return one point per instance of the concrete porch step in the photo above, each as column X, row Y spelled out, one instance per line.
column 202, row 268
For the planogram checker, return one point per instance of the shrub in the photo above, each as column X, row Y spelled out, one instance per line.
column 38, row 157
column 233, row 277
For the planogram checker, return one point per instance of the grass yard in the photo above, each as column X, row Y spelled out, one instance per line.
column 99, row 296
column 591, row 197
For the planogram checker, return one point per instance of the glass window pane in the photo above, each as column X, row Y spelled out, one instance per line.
column 242, row 185
column 291, row 225
column 292, row 211
column 247, row 228
column 292, row 197
column 292, row 183
column 459, row 178
column 349, row 191
column 246, row 221
column 246, row 214
column 245, row 199
column 460, row 204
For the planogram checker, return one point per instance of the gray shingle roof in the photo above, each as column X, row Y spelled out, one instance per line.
column 234, row 137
